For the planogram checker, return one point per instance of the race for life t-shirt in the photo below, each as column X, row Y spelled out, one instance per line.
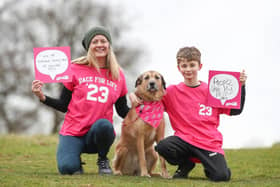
column 192, row 119
column 93, row 97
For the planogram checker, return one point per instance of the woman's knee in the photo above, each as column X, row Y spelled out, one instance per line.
column 102, row 133
column 103, row 125
column 68, row 167
column 68, row 154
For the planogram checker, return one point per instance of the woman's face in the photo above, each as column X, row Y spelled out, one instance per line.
column 99, row 46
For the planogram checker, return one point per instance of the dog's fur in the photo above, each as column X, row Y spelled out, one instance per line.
column 134, row 154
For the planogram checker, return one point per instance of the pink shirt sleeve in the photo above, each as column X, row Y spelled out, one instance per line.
column 224, row 111
column 69, row 85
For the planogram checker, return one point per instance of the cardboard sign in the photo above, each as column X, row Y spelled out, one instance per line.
column 224, row 89
column 52, row 64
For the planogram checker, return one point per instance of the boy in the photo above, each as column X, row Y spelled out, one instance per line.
column 194, row 122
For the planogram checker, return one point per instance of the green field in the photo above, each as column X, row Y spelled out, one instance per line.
column 30, row 161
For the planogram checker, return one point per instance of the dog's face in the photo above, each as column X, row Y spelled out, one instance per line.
column 150, row 86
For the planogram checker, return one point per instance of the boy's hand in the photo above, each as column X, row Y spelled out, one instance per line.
column 243, row 77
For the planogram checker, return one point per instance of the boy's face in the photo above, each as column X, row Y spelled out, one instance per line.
column 189, row 69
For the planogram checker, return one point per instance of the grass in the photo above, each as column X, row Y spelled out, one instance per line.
column 30, row 161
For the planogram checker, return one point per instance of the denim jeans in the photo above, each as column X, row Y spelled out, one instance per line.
column 98, row 140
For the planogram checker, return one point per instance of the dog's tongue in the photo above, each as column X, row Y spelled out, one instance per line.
column 152, row 89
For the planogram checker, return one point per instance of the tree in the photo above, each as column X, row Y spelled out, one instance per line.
column 28, row 24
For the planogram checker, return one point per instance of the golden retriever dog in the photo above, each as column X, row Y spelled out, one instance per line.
column 142, row 127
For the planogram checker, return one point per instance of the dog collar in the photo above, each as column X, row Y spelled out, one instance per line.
column 151, row 112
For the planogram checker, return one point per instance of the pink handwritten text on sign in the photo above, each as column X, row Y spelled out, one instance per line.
column 52, row 64
column 224, row 89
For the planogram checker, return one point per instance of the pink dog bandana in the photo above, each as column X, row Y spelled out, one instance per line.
column 151, row 112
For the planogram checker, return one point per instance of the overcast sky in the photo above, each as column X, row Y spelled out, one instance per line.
column 232, row 35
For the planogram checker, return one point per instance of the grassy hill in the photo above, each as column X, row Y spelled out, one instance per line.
column 30, row 161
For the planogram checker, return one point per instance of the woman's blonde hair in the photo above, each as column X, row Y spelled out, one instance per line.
column 111, row 63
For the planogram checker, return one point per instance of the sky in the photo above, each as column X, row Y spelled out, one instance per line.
column 232, row 35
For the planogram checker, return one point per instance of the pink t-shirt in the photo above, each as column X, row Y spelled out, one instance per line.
column 151, row 112
column 191, row 118
column 93, row 97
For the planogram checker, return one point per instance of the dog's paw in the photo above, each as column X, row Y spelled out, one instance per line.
column 145, row 175
column 117, row 173
column 165, row 175
column 155, row 174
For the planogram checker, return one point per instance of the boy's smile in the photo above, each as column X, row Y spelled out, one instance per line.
column 189, row 71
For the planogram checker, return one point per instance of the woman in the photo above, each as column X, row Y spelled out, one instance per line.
column 97, row 84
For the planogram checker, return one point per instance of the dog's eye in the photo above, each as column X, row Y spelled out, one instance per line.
column 146, row 78
column 157, row 77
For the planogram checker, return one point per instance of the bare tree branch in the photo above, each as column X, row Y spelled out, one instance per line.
column 29, row 24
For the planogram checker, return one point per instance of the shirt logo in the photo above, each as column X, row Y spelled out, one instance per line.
column 212, row 154
column 205, row 110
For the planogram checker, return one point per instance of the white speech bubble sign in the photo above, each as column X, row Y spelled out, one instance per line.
column 223, row 87
column 51, row 62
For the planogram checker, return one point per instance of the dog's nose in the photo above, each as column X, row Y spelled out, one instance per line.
column 152, row 84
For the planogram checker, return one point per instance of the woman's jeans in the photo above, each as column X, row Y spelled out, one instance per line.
column 98, row 140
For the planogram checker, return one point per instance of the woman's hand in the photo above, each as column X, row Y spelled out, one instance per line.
column 37, row 89
column 135, row 101
column 243, row 77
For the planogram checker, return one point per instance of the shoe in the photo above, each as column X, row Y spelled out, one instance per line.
column 183, row 171
column 104, row 167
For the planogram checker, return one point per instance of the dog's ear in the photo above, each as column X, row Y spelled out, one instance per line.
column 163, row 82
column 139, row 80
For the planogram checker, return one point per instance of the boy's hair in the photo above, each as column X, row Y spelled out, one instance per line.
column 188, row 53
